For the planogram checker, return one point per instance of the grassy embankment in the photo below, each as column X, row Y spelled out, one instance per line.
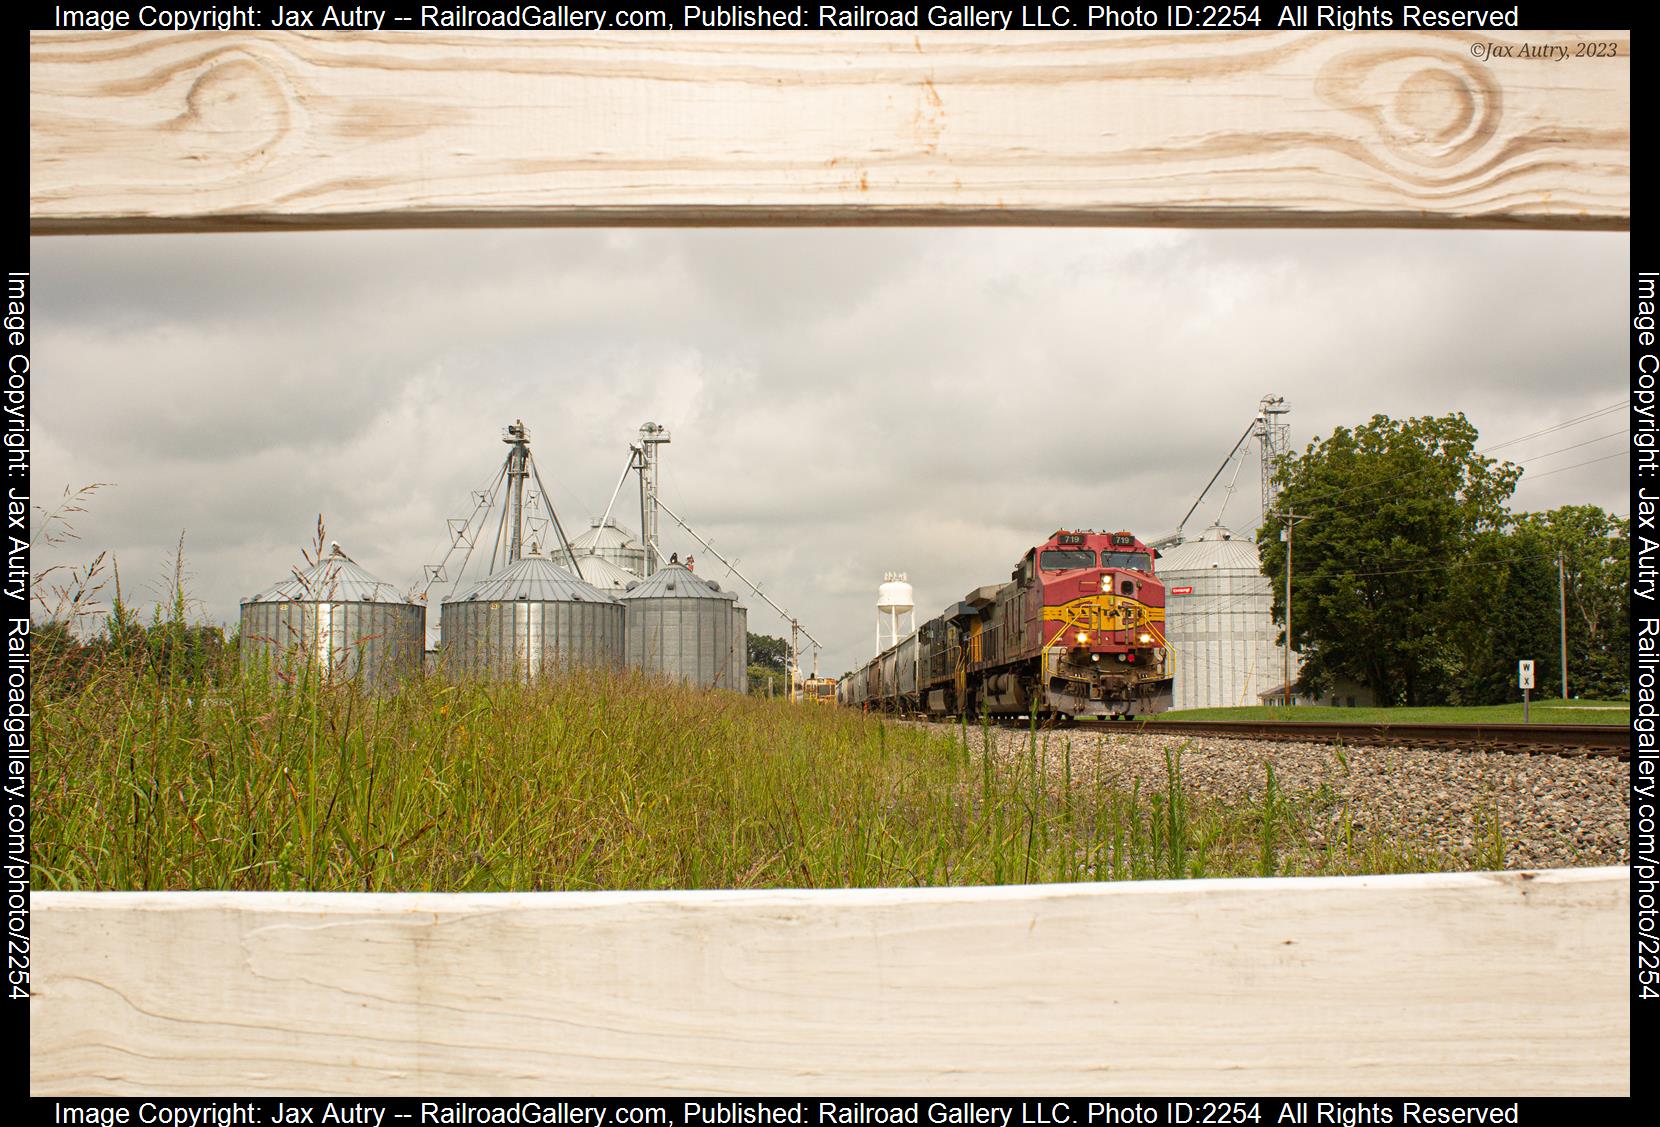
column 593, row 781
column 1551, row 711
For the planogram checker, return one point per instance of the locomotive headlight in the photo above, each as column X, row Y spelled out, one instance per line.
column 1144, row 638
column 1083, row 639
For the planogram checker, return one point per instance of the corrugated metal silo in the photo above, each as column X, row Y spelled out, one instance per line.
column 740, row 635
column 531, row 617
column 337, row 615
column 1221, row 628
column 609, row 541
column 601, row 573
column 687, row 628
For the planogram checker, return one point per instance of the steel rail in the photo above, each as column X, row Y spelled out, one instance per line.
column 1611, row 740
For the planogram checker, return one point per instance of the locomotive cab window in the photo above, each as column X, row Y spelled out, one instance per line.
column 1068, row 560
column 1129, row 561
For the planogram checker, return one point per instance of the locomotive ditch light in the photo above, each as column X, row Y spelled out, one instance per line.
column 1144, row 638
column 1083, row 639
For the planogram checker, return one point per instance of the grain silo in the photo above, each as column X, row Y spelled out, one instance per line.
column 339, row 617
column 685, row 627
column 529, row 618
column 1219, row 621
column 609, row 541
column 601, row 573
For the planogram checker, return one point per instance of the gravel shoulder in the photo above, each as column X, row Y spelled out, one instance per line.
column 1552, row 811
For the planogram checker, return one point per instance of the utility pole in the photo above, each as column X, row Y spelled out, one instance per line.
column 1289, row 525
column 1562, row 605
column 795, row 660
column 1291, row 520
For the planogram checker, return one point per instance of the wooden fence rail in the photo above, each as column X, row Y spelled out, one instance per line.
column 1505, row 983
column 142, row 132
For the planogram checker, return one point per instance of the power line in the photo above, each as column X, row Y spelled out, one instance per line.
column 1576, row 465
column 1255, row 519
column 1507, row 560
column 1575, row 446
column 1533, row 477
column 1319, row 500
column 1235, row 600
column 1520, row 465
column 1559, row 426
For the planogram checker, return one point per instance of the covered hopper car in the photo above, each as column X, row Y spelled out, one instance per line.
column 1078, row 630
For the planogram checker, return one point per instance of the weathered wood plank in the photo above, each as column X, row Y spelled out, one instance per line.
column 1468, row 983
column 134, row 131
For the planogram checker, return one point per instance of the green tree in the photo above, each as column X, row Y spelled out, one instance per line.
column 769, row 660
column 769, row 652
column 1595, row 549
column 767, row 682
column 1501, row 608
column 1382, row 511
column 1507, row 605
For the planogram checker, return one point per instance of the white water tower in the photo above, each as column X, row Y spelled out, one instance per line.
column 895, row 610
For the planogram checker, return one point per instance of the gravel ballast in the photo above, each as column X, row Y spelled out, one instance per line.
column 1553, row 811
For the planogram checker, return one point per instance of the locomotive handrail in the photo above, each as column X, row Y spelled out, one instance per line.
column 1166, row 650
column 1054, row 643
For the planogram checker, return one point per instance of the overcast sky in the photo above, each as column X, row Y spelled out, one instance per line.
column 842, row 402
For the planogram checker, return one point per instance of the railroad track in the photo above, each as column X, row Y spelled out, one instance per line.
column 1597, row 741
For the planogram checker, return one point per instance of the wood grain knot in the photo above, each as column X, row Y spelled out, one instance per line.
column 1430, row 108
column 235, row 108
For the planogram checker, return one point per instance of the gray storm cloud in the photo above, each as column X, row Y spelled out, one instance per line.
column 843, row 402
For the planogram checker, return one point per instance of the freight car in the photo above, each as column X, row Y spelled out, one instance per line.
column 1078, row 630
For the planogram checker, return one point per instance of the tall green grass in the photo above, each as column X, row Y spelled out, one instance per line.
column 145, row 780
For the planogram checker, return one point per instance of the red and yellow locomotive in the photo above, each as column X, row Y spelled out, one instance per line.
column 1077, row 631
